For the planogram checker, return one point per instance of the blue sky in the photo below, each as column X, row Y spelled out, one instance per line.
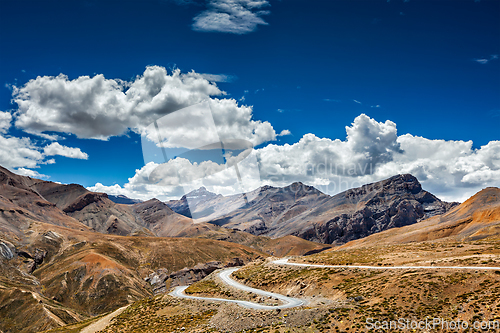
column 431, row 67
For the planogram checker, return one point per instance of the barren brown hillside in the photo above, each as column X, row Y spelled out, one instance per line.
column 88, row 273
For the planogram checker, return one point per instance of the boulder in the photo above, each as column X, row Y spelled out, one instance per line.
column 7, row 250
column 186, row 276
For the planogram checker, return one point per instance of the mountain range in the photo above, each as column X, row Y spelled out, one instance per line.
column 295, row 210
column 305, row 212
column 68, row 254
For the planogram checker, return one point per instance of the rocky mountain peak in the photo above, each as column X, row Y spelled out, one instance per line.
column 404, row 183
column 393, row 202
column 265, row 188
column 10, row 179
column 85, row 200
column 301, row 189
column 397, row 185
column 152, row 204
column 200, row 193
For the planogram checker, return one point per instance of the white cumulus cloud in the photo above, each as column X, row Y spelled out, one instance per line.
column 55, row 148
column 98, row 108
column 231, row 16
column 19, row 152
column 372, row 151
column 5, row 120
column 30, row 173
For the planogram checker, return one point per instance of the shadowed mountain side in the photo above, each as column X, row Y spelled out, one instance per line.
column 160, row 219
column 476, row 218
column 21, row 204
column 92, row 209
column 24, row 199
column 296, row 209
column 372, row 208
column 97, row 211
column 268, row 207
column 121, row 199
column 103, row 215
column 68, row 203
column 59, row 194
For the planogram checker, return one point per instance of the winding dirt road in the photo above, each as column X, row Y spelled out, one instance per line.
column 290, row 302
column 225, row 276
column 474, row 268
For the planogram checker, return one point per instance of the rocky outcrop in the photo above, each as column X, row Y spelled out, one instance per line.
column 30, row 261
column 392, row 203
column 161, row 280
column 116, row 227
column 6, row 250
column 235, row 262
column 187, row 276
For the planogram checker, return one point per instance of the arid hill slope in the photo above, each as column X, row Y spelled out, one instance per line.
column 56, row 270
column 97, row 211
column 279, row 247
column 77, row 274
column 21, row 204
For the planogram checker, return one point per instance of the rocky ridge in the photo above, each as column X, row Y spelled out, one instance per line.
column 392, row 203
column 305, row 212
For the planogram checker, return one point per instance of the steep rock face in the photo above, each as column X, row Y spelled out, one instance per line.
column 392, row 203
column 475, row 219
column 161, row 280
